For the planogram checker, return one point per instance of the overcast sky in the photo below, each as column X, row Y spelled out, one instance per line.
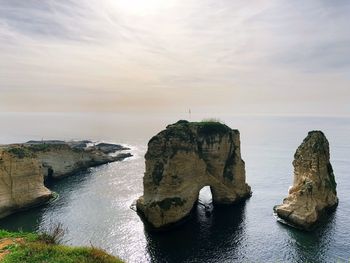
column 237, row 57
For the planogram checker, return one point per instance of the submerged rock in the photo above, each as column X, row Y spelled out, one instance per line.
column 314, row 189
column 184, row 158
column 23, row 168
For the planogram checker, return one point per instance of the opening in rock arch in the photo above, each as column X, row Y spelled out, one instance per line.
column 205, row 196
column 205, row 200
column 183, row 158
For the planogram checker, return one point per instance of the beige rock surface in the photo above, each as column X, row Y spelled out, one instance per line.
column 21, row 183
column 61, row 160
column 314, row 188
column 23, row 168
column 184, row 158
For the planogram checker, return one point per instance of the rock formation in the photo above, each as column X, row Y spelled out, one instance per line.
column 110, row 148
column 21, row 182
column 23, row 168
column 184, row 158
column 314, row 188
column 63, row 159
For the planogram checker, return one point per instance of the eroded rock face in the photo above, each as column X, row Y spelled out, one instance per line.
column 184, row 158
column 314, row 188
column 23, row 168
column 60, row 160
column 21, row 183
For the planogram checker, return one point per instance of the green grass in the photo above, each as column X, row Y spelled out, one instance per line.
column 42, row 147
column 35, row 249
column 212, row 126
column 205, row 127
column 27, row 236
column 212, row 120
column 45, row 147
column 29, row 151
column 18, row 151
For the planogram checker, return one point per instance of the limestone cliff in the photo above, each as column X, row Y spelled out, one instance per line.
column 59, row 160
column 21, row 182
column 314, row 188
column 23, row 168
column 184, row 158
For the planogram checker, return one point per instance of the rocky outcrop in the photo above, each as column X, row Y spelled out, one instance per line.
column 314, row 189
column 60, row 160
column 110, row 148
column 21, row 182
column 23, row 168
column 184, row 158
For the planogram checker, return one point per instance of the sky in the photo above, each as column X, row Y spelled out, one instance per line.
column 273, row 57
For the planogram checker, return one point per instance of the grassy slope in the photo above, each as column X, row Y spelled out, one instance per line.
column 35, row 249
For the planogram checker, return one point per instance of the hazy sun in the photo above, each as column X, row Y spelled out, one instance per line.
column 142, row 7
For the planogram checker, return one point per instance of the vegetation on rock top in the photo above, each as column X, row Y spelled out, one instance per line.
column 205, row 127
column 29, row 150
column 45, row 147
column 19, row 151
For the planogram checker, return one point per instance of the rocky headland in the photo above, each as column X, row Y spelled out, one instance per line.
column 24, row 167
column 60, row 158
column 184, row 158
column 314, row 189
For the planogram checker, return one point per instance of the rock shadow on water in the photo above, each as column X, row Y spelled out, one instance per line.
column 33, row 219
column 312, row 246
column 202, row 238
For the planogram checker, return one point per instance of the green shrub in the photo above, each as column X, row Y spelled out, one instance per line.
column 34, row 249
column 18, row 151
column 212, row 127
column 53, row 234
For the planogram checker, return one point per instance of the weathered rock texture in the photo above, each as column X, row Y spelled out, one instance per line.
column 60, row 160
column 314, row 188
column 23, row 168
column 184, row 158
column 21, row 183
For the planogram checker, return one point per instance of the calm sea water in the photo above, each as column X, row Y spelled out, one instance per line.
column 94, row 205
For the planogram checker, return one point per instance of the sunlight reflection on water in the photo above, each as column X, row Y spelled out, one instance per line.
column 95, row 205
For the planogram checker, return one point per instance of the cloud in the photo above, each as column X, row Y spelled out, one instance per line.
column 162, row 55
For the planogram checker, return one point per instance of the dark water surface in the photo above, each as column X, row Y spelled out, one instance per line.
column 94, row 206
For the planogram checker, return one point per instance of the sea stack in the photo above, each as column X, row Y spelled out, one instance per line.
column 184, row 158
column 314, row 189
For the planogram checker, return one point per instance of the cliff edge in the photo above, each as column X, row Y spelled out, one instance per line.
column 24, row 167
column 21, row 182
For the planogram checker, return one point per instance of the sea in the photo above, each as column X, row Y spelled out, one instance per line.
column 94, row 206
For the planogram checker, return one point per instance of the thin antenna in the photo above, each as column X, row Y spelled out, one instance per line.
column 189, row 113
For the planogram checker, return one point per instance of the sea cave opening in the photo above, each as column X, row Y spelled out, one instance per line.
column 205, row 200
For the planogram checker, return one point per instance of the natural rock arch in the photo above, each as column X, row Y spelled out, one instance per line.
column 184, row 158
